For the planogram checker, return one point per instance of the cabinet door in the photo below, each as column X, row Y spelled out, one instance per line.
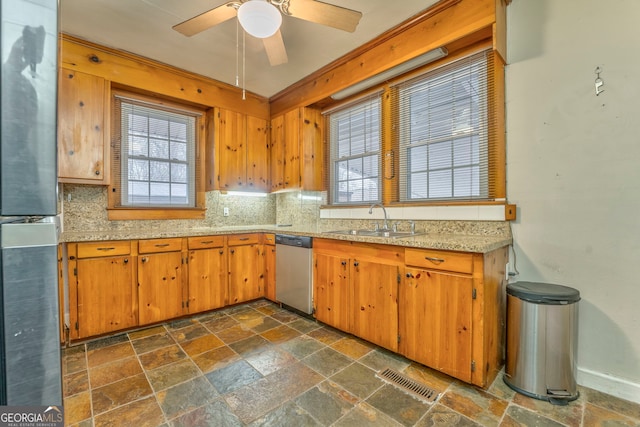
column 231, row 149
column 436, row 320
column 160, row 286
column 244, row 280
column 312, row 147
column 331, row 290
column 270, row 272
column 208, row 287
column 292, row 150
column 257, row 154
column 375, row 302
column 82, row 151
column 106, row 298
column 277, row 153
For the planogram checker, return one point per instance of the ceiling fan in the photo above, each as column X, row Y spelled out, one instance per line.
column 262, row 19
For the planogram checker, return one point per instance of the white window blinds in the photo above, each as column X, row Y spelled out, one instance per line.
column 443, row 127
column 157, row 156
column 355, row 141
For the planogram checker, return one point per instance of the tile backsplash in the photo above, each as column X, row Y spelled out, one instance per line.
column 83, row 208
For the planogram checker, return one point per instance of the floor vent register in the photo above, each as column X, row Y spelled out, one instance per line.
column 409, row 385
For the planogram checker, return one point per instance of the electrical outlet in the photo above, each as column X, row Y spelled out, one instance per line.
column 225, row 211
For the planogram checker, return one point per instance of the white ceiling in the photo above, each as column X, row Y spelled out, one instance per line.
column 143, row 27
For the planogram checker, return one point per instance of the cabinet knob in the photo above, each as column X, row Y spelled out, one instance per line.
column 232, row 251
column 344, row 263
column 126, row 260
column 221, row 251
column 409, row 275
column 144, row 259
column 355, row 264
column 97, row 172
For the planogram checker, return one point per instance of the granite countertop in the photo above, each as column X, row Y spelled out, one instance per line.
column 453, row 242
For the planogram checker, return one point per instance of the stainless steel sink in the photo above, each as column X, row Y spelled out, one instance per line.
column 373, row 233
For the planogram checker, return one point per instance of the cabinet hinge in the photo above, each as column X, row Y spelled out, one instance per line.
column 75, row 271
column 473, row 366
column 473, row 293
column 398, row 339
column 398, row 280
column 77, row 327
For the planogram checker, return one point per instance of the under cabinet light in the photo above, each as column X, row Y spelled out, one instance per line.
column 245, row 194
column 412, row 64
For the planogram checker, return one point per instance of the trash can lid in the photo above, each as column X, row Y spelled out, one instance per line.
column 543, row 293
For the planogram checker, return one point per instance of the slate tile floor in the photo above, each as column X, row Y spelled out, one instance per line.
column 260, row 365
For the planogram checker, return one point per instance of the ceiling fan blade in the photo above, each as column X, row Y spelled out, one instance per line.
column 276, row 51
column 325, row 14
column 206, row 20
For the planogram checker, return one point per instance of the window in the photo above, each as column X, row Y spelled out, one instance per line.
column 443, row 133
column 444, row 144
column 154, row 163
column 355, row 138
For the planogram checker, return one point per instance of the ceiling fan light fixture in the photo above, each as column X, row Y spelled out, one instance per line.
column 259, row 18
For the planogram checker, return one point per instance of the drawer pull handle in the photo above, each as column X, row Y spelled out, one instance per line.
column 106, row 249
column 206, row 242
column 161, row 245
column 433, row 259
column 242, row 239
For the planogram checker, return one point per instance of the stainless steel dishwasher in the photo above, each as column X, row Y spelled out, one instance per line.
column 294, row 272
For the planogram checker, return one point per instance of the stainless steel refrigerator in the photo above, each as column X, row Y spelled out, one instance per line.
column 30, row 362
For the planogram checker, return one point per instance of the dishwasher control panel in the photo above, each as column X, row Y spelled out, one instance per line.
column 299, row 241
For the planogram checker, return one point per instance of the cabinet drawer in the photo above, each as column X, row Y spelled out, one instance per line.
column 205, row 242
column 102, row 249
column 159, row 245
column 268, row 239
column 460, row 262
column 243, row 239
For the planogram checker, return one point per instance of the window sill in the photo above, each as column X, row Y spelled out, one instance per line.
column 125, row 214
column 479, row 212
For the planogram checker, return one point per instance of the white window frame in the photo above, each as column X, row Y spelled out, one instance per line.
column 350, row 185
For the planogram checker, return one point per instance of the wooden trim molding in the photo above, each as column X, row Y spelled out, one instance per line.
column 440, row 25
column 145, row 74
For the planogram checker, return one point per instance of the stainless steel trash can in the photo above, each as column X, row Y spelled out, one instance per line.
column 542, row 326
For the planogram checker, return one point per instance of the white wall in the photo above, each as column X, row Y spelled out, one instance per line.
column 573, row 169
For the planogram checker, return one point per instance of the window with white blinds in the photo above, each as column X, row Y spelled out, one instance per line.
column 355, row 145
column 443, row 126
column 157, row 156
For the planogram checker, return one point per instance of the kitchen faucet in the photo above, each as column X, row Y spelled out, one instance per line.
column 385, row 226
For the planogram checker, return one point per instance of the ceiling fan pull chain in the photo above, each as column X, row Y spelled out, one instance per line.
column 237, row 54
column 244, row 68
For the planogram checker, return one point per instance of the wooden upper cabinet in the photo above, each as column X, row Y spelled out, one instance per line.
column 257, row 143
column 231, row 150
column 277, row 153
column 297, row 147
column 241, row 150
column 83, row 117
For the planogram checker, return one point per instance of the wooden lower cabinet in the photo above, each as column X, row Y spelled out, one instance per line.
column 269, row 268
column 244, row 268
column 102, row 288
column 443, row 309
column 331, row 289
column 207, row 281
column 435, row 322
column 356, row 289
column 160, row 280
column 375, row 302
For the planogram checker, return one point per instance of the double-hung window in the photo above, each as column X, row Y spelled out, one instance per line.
column 355, row 139
column 155, row 165
column 443, row 133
